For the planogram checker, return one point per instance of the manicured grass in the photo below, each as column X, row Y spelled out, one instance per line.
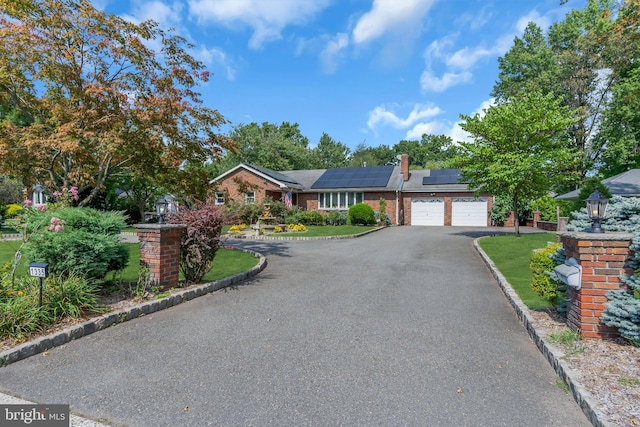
column 226, row 263
column 333, row 230
column 512, row 256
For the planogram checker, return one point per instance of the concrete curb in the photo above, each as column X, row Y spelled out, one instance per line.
column 272, row 237
column 56, row 339
column 553, row 354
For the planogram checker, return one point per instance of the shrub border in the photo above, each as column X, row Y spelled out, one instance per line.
column 99, row 323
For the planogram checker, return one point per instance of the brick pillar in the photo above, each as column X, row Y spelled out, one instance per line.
column 160, row 252
column 536, row 219
column 603, row 258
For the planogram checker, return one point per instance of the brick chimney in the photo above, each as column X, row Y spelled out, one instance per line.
column 404, row 166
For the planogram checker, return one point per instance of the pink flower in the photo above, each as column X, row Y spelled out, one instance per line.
column 58, row 228
column 57, row 194
column 28, row 203
column 41, row 207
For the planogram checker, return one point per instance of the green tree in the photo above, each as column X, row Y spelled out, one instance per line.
column 530, row 64
column 329, row 153
column 269, row 145
column 372, row 156
column 519, row 148
column 82, row 97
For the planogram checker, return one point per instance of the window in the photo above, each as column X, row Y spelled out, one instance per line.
column 250, row 197
column 219, row 198
column 339, row 200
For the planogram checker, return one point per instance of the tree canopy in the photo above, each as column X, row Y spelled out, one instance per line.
column 85, row 96
column 520, row 148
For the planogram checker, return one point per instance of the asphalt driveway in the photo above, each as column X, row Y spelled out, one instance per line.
column 402, row 327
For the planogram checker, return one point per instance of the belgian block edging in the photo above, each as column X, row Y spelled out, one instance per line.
column 285, row 237
column 80, row 330
column 552, row 353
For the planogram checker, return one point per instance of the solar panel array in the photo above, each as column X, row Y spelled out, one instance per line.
column 372, row 176
column 442, row 176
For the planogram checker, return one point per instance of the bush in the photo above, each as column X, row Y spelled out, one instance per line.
column 362, row 214
column 78, row 252
column 201, row 240
column 76, row 241
column 12, row 210
column 547, row 206
column 336, row 218
column 543, row 263
column 311, row 218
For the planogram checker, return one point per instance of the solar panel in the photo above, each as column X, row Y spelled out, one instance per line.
column 372, row 176
column 442, row 176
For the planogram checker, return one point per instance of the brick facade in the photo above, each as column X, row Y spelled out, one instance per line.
column 160, row 252
column 237, row 183
column 448, row 200
column 398, row 207
column 603, row 258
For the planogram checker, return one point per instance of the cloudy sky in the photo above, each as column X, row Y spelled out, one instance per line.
column 363, row 71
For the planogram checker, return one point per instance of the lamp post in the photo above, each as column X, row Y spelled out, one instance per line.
column 161, row 209
column 597, row 208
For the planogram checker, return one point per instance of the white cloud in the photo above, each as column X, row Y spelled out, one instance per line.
column 332, row 52
column 431, row 83
column 382, row 116
column 217, row 58
column 430, row 128
column 267, row 19
column 390, row 16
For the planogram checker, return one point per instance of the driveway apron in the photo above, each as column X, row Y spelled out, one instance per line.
column 402, row 327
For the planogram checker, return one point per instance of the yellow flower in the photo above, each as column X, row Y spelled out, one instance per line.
column 20, row 293
column 9, row 292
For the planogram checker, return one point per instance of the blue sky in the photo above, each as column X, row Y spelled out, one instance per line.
column 363, row 71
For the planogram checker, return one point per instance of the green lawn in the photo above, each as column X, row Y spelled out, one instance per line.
column 512, row 256
column 333, row 230
column 226, row 263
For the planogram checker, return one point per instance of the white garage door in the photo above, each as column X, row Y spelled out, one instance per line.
column 467, row 211
column 427, row 212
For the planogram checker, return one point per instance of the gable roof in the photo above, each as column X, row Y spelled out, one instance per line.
column 278, row 178
column 626, row 184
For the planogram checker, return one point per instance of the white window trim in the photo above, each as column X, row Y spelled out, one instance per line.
column 219, row 196
column 338, row 200
column 250, row 197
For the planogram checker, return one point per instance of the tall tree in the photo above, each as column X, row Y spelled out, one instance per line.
column 520, row 148
column 94, row 100
column 329, row 153
column 530, row 64
column 271, row 146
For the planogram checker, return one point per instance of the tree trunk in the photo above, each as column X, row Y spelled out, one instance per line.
column 516, row 219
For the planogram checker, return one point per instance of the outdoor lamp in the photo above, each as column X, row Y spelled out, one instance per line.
column 596, row 207
column 161, row 209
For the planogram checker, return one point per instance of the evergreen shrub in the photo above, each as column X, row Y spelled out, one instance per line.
column 542, row 263
column 362, row 214
column 76, row 241
column 336, row 218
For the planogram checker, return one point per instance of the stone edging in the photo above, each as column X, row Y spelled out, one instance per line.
column 44, row 343
column 552, row 353
column 272, row 237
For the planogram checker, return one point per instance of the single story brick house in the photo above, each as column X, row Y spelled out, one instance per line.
column 414, row 197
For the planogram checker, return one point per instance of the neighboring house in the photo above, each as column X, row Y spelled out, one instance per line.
column 414, row 197
column 626, row 184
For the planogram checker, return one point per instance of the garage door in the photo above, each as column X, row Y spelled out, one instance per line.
column 468, row 211
column 427, row 212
